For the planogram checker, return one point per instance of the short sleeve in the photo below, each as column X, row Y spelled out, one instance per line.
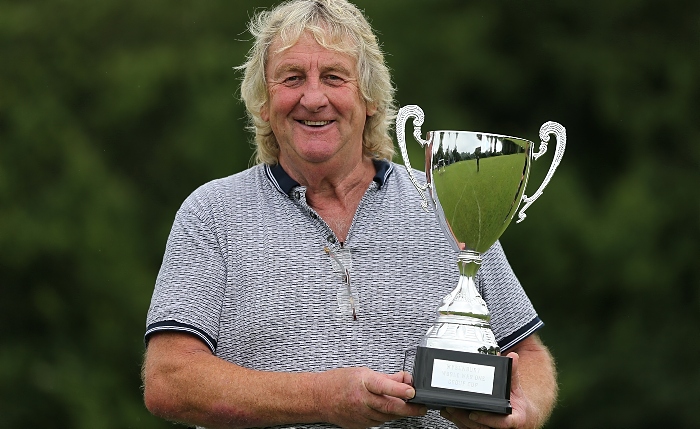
column 190, row 286
column 513, row 316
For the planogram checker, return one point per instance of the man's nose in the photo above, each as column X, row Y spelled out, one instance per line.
column 314, row 97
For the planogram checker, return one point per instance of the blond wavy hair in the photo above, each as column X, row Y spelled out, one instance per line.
column 337, row 25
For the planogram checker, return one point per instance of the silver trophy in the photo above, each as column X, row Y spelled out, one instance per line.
column 475, row 183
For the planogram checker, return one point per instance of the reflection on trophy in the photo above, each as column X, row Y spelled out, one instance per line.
column 476, row 183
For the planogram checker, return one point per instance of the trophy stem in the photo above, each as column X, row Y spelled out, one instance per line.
column 463, row 320
column 465, row 300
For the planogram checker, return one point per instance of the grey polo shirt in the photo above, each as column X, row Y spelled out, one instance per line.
column 257, row 275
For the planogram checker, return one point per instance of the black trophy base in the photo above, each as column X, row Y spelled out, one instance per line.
column 464, row 380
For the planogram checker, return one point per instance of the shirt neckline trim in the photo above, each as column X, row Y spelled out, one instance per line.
column 285, row 184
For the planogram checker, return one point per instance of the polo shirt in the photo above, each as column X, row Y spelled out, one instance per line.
column 255, row 273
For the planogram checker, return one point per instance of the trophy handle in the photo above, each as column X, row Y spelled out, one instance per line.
column 417, row 114
column 545, row 130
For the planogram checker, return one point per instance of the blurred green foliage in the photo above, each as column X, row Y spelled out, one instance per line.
column 112, row 112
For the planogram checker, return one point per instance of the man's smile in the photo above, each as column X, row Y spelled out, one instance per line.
column 315, row 123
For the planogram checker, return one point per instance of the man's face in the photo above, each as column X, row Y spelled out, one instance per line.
column 314, row 108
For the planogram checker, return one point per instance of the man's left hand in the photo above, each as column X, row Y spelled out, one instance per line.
column 532, row 394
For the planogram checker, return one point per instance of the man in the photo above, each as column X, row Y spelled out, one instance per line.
column 290, row 291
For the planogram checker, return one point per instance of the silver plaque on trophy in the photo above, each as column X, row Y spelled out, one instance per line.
column 475, row 183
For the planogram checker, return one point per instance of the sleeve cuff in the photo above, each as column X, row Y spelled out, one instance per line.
column 520, row 334
column 171, row 325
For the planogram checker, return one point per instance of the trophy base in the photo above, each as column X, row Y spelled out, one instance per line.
column 472, row 381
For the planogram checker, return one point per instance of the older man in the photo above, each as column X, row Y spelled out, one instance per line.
column 290, row 291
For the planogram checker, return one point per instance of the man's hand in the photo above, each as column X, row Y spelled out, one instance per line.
column 483, row 420
column 360, row 397
column 532, row 393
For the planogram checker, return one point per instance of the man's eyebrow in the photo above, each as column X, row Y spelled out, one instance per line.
column 336, row 67
column 286, row 68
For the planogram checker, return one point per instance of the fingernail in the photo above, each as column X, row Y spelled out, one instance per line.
column 473, row 417
column 410, row 393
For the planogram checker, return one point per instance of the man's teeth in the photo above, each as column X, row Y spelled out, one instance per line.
column 316, row 123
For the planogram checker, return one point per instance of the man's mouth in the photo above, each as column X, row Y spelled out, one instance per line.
column 315, row 123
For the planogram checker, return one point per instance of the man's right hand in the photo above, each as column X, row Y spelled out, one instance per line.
column 361, row 398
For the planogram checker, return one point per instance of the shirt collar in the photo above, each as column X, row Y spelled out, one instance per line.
column 286, row 184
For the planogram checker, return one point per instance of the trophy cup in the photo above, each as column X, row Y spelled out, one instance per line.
column 476, row 183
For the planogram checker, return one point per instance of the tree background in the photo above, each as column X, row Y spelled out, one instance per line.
column 112, row 112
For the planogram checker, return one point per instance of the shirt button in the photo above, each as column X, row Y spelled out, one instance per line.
column 331, row 239
column 297, row 195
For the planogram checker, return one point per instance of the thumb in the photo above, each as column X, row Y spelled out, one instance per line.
column 515, row 375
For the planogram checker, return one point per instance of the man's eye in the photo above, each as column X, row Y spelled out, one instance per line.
column 292, row 80
column 334, row 80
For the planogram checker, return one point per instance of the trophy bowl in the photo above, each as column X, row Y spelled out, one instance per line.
column 475, row 183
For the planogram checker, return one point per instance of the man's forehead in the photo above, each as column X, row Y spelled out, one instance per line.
column 306, row 40
column 307, row 52
column 321, row 36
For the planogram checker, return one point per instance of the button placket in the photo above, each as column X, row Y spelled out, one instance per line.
column 347, row 295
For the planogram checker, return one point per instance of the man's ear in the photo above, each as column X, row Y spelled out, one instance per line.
column 265, row 112
column 371, row 109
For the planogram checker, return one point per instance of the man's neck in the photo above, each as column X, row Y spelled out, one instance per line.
column 335, row 192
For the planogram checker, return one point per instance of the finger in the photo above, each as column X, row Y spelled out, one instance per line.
column 461, row 418
column 372, row 419
column 515, row 374
column 402, row 377
column 390, row 407
column 498, row 420
column 385, row 385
